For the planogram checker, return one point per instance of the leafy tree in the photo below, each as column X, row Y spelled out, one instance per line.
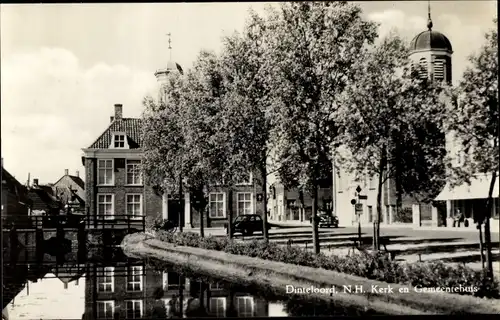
column 390, row 122
column 311, row 53
column 243, row 63
column 163, row 138
column 474, row 121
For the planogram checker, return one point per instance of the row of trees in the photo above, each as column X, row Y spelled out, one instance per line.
column 302, row 87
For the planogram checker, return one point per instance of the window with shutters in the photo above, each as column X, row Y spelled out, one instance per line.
column 439, row 69
column 423, row 68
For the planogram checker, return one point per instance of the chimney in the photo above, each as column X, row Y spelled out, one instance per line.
column 118, row 111
column 35, row 182
column 66, row 172
column 111, row 119
column 77, row 173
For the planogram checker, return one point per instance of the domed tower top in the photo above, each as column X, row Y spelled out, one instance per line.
column 431, row 52
column 162, row 74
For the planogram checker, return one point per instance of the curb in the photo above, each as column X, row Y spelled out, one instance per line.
column 278, row 275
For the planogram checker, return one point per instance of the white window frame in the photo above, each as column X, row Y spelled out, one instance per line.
column 212, row 306
column 103, row 304
column 242, row 301
column 166, row 284
column 114, row 140
column 340, row 182
column 105, row 168
column 106, row 272
column 139, row 179
column 212, row 214
column 244, row 201
column 130, row 214
column 248, row 182
column 216, row 286
column 133, row 302
column 99, row 202
column 372, row 182
column 135, row 271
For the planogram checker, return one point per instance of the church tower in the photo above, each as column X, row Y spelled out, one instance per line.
column 162, row 74
column 430, row 53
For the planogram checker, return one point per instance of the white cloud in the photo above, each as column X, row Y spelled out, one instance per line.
column 397, row 20
column 52, row 107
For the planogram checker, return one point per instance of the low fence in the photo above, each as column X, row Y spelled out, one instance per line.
column 116, row 222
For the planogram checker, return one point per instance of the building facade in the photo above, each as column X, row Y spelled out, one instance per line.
column 71, row 189
column 293, row 206
column 431, row 58
column 114, row 183
column 15, row 201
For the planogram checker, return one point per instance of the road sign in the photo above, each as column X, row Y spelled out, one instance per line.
column 362, row 197
column 358, row 189
column 358, row 208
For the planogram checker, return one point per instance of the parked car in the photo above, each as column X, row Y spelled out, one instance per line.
column 327, row 220
column 247, row 224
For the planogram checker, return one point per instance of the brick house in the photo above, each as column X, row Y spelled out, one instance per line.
column 247, row 199
column 286, row 205
column 70, row 188
column 114, row 184
column 130, row 290
column 15, row 201
column 43, row 200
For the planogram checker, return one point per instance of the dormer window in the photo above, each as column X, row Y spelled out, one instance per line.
column 119, row 141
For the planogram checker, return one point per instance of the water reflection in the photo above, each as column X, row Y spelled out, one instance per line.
column 113, row 286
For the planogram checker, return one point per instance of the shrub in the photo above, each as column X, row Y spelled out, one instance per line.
column 405, row 215
column 376, row 266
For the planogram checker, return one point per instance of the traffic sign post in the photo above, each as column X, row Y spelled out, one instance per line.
column 358, row 209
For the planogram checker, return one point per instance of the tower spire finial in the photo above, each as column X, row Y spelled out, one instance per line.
column 169, row 45
column 429, row 20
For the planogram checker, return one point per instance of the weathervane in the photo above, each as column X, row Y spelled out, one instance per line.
column 169, row 44
column 429, row 20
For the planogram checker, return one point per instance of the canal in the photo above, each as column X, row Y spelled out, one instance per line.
column 106, row 284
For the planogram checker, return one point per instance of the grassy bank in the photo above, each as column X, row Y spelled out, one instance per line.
column 371, row 266
column 240, row 268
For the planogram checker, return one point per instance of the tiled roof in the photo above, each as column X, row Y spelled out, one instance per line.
column 41, row 200
column 78, row 181
column 14, row 186
column 131, row 127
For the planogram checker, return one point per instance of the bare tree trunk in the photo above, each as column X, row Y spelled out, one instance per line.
column 315, row 217
column 230, row 213
column 376, row 236
column 202, row 222
column 181, row 211
column 481, row 247
column 264, row 200
column 487, row 234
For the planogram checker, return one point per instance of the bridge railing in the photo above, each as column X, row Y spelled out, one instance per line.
column 39, row 222
column 116, row 222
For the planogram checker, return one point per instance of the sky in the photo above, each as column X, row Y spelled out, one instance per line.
column 64, row 66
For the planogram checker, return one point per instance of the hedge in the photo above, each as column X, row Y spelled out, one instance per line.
column 375, row 266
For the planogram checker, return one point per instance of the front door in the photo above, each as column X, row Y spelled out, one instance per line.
column 175, row 211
